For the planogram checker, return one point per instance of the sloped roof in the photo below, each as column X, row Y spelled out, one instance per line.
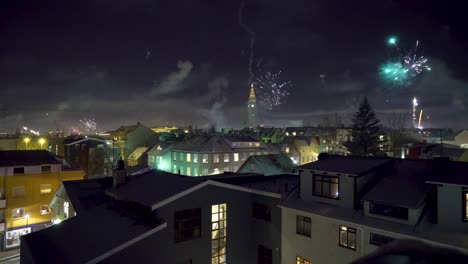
column 212, row 143
column 267, row 131
column 409, row 178
column 87, row 194
column 165, row 146
column 353, row 165
column 83, row 234
column 137, row 153
column 270, row 164
column 10, row 158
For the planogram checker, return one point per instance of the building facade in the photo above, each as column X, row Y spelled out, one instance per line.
column 128, row 138
column 29, row 179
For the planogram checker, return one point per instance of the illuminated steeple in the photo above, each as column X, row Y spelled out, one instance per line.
column 252, row 118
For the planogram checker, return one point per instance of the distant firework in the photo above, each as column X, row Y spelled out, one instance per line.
column 88, row 124
column 403, row 67
column 271, row 90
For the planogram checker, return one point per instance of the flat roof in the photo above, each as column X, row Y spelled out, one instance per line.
column 10, row 158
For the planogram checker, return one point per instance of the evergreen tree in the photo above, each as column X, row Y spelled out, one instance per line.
column 365, row 132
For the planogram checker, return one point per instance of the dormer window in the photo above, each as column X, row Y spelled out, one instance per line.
column 326, row 186
column 465, row 206
column 388, row 210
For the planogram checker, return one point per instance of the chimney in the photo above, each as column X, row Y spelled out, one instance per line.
column 119, row 175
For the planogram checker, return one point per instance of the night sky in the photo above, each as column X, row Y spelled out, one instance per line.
column 178, row 62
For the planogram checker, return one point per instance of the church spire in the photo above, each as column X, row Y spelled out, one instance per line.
column 252, row 113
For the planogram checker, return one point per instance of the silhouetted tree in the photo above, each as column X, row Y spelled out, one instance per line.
column 365, row 132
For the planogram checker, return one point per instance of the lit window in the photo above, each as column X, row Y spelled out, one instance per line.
column 187, row 224
column 45, row 209
column 287, row 133
column 303, row 225
column 17, row 213
column 205, row 158
column 45, row 169
column 216, row 171
column 226, row 157
column 195, row 158
column 348, row 237
column 236, row 157
column 189, row 158
column 174, row 168
column 326, row 186
column 218, row 233
column 301, row 260
column 465, row 206
column 287, row 150
column 195, row 171
column 189, row 171
column 257, row 144
column 216, row 158
column 181, row 156
column 66, row 206
column 204, row 172
column 18, row 192
column 181, row 170
column 226, row 169
column 13, row 237
column 293, row 133
column 45, row 188
column 174, row 155
column 244, row 156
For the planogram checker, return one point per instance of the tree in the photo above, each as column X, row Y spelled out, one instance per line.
column 330, row 136
column 396, row 123
column 365, row 132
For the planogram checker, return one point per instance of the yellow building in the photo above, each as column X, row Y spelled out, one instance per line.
column 29, row 180
column 31, row 142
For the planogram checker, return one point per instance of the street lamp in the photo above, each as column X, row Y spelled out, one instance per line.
column 41, row 141
column 26, row 141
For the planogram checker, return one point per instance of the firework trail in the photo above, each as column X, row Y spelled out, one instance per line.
column 252, row 41
column 403, row 67
column 271, row 90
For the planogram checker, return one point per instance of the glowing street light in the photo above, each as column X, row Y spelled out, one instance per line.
column 26, row 141
column 41, row 141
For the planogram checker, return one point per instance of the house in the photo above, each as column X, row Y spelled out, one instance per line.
column 128, row 138
column 346, row 207
column 267, row 165
column 29, row 180
column 430, row 151
column 93, row 154
column 160, row 217
column 270, row 134
column 138, row 157
column 460, row 139
column 158, row 153
column 213, row 154
column 307, row 148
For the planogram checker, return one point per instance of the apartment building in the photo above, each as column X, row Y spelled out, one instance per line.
column 209, row 154
column 346, row 207
column 29, row 180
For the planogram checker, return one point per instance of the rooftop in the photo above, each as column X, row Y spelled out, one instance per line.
column 270, row 164
column 9, row 158
column 137, row 153
column 87, row 194
column 352, row 165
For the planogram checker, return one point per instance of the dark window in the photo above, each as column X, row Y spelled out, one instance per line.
column 19, row 170
column 303, row 225
column 46, row 168
column 388, row 210
column 265, row 255
column 187, row 224
column 348, row 237
column 261, row 211
column 326, row 186
column 378, row 240
column 465, row 206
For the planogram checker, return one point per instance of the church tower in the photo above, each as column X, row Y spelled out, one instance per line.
column 252, row 118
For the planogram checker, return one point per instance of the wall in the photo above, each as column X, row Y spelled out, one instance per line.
column 346, row 190
column 449, row 207
column 242, row 239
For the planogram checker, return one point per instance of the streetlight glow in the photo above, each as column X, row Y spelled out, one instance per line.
column 26, row 141
column 41, row 141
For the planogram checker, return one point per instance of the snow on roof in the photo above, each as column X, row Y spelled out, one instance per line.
column 137, row 153
column 352, row 165
column 271, row 164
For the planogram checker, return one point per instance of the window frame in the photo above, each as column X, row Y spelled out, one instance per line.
column 18, row 196
column 379, row 243
column 465, row 205
column 396, row 215
column 226, row 157
column 18, row 173
column 194, row 218
column 216, row 158
column 46, row 171
column 264, row 255
column 49, row 210
column 305, row 220
column 314, row 182
column 349, row 230
column 15, row 209
column 261, row 211
column 302, row 260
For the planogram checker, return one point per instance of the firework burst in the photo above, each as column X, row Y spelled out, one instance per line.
column 271, row 90
column 403, row 67
column 88, row 124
